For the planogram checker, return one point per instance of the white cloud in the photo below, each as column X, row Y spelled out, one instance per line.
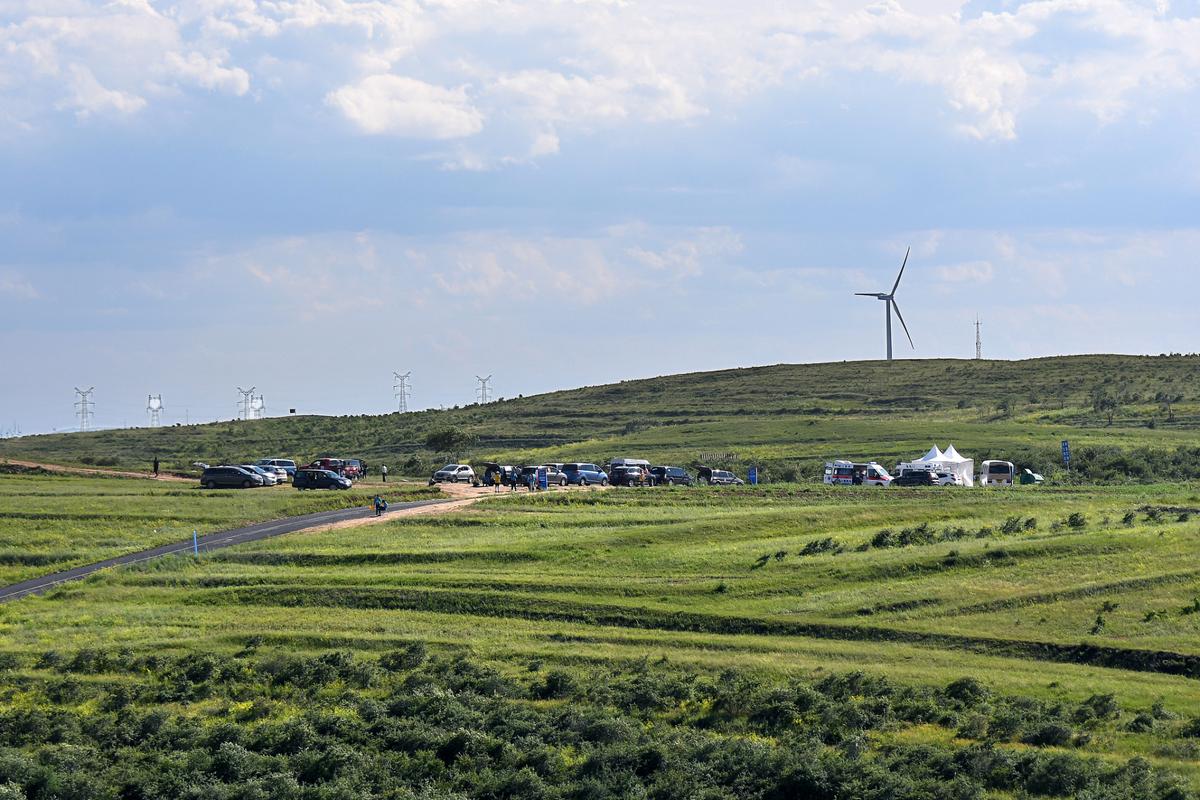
column 394, row 104
column 88, row 96
column 969, row 272
column 15, row 285
column 542, row 70
column 206, row 71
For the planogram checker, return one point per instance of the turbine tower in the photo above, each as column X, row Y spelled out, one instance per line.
column 978, row 340
column 484, row 391
column 889, row 303
column 155, row 406
column 84, row 406
column 402, row 391
column 244, row 403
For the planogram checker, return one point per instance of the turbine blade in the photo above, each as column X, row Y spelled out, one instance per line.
column 902, row 266
column 896, row 308
column 870, row 294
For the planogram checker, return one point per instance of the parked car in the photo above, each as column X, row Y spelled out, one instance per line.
column 554, row 475
column 226, row 477
column 334, row 465
column 669, row 476
column 584, row 474
column 281, row 474
column 268, row 477
column 491, row 469
column 353, row 468
column 630, row 476
column 718, row 477
column 1030, row 478
column 528, row 475
column 915, row 477
column 454, row 473
column 949, row 479
column 287, row 464
column 320, row 479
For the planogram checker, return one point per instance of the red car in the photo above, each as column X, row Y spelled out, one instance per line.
column 331, row 464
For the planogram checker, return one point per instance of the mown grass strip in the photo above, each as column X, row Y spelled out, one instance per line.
column 489, row 604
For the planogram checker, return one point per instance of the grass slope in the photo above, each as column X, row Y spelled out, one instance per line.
column 1098, row 596
column 787, row 418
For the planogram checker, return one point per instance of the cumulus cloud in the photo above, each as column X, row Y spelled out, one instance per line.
column 402, row 106
column 540, row 70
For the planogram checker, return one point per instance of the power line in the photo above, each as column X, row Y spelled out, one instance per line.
column 484, row 390
column 244, row 404
column 84, row 407
column 401, row 391
column 154, row 405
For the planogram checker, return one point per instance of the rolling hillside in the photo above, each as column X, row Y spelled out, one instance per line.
column 787, row 418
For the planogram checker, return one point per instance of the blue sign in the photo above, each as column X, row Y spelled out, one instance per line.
column 543, row 478
column 752, row 476
column 1066, row 452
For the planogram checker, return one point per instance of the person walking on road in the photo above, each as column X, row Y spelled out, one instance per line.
column 380, row 505
column 383, row 472
column 156, row 466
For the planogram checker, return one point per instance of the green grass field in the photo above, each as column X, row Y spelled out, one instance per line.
column 51, row 523
column 1099, row 595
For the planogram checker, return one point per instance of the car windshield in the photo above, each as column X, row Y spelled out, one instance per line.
column 448, row 468
column 570, row 467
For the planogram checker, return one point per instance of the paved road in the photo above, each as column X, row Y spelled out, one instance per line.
column 212, row 541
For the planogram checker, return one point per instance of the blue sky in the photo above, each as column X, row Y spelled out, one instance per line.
column 305, row 196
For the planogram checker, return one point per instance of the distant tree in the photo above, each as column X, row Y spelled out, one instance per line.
column 1105, row 403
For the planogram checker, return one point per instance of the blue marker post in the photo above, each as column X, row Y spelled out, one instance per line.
column 195, row 545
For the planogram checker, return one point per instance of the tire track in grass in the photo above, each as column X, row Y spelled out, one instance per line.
column 490, row 604
column 1042, row 598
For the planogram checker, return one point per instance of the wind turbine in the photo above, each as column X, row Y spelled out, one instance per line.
column 889, row 300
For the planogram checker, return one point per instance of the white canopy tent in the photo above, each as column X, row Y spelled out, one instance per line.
column 948, row 460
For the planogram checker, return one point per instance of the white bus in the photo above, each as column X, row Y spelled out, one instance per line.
column 997, row 473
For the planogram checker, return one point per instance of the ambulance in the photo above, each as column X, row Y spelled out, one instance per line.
column 847, row 473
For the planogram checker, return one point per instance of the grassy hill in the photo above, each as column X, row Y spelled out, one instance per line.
column 1125, row 415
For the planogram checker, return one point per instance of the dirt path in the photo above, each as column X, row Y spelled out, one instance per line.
column 114, row 473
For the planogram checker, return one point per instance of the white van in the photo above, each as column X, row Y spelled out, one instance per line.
column 847, row 473
column 997, row 473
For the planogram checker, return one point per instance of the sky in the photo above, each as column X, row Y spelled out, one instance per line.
column 306, row 196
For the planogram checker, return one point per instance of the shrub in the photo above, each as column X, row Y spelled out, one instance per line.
column 1077, row 520
column 411, row 656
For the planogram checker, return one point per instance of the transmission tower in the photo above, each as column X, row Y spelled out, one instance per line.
column 154, row 405
column 84, row 407
column 402, row 391
column 484, row 390
column 258, row 407
column 244, row 408
column 978, row 340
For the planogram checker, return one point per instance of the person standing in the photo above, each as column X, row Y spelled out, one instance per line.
column 156, row 466
column 383, row 472
column 380, row 506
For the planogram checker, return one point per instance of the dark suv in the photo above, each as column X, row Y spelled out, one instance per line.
column 629, row 476
column 229, row 478
column 718, row 477
column 915, row 477
column 669, row 476
column 319, row 479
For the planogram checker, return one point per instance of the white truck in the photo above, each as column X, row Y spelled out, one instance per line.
column 848, row 473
